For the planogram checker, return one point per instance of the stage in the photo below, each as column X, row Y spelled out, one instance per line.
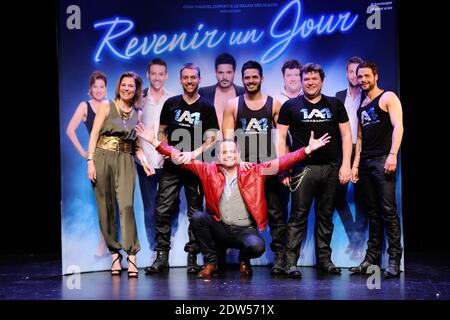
column 427, row 277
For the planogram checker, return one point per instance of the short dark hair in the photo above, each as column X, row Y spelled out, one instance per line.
column 192, row 66
column 157, row 61
column 313, row 67
column 354, row 59
column 225, row 58
column 366, row 64
column 252, row 64
column 291, row 64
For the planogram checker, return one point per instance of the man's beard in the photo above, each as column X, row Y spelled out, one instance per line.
column 370, row 86
column 256, row 90
column 225, row 84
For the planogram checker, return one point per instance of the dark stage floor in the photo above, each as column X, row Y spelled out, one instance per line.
column 37, row 278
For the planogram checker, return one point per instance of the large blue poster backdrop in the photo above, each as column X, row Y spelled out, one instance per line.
column 117, row 36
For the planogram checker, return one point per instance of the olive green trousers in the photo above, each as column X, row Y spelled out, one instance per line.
column 114, row 187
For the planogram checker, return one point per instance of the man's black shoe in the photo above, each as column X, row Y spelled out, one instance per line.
column 192, row 266
column 392, row 271
column 294, row 272
column 160, row 264
column 331, row 268
column 279, row 264
column 362, row 268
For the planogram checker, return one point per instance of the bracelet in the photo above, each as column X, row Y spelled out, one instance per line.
column 392, row 153
column 90, row 156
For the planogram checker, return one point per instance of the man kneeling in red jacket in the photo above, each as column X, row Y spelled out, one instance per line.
column 235, row 201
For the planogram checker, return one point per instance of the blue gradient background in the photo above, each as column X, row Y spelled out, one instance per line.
column 76, row 50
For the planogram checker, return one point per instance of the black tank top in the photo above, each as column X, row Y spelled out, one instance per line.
column 376, row 129
column 254, row 132
column 89, row 123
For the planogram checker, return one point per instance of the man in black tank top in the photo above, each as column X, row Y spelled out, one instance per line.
column 318, row 177
column 250, row 118
column 379, row 137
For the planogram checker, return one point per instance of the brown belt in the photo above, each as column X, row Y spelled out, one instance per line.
column 114, row 144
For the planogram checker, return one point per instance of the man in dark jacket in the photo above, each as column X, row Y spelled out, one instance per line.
column 224, row 89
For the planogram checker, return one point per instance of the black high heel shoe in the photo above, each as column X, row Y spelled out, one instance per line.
column 116, row 272
column 132, row 274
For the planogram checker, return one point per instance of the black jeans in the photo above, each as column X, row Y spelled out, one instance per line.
column 277, row 197
column 149, row 191
column 319, row 183
column 172, row 179
column 212, row 235
column 379, row 195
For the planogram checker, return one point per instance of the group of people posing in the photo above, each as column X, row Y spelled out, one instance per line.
column 243, row 153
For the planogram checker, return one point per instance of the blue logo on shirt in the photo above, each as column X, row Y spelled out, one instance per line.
column 187, row 118
column 316, row 115
column 369, row 116
column 254, row 125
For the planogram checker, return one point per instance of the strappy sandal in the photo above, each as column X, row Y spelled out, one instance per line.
column 116, row 272
column 132, row 274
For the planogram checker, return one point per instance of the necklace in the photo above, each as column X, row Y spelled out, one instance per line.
column 124, row 115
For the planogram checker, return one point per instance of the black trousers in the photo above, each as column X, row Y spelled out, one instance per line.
column 381, row 205
column 172, row 179
column 149, row 191
column 214, row 235
column 318, row 183
column 277, row 197
column 355, row 229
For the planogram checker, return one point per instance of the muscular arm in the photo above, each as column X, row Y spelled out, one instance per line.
column 394, row 107
column 229, row 119
column 275, row 111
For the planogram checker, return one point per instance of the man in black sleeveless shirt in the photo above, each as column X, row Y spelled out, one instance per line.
column 380, row 134
column 184, row 121
column 251, row 118
column 318, row 177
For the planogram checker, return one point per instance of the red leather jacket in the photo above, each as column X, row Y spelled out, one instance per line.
column 250, row 182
